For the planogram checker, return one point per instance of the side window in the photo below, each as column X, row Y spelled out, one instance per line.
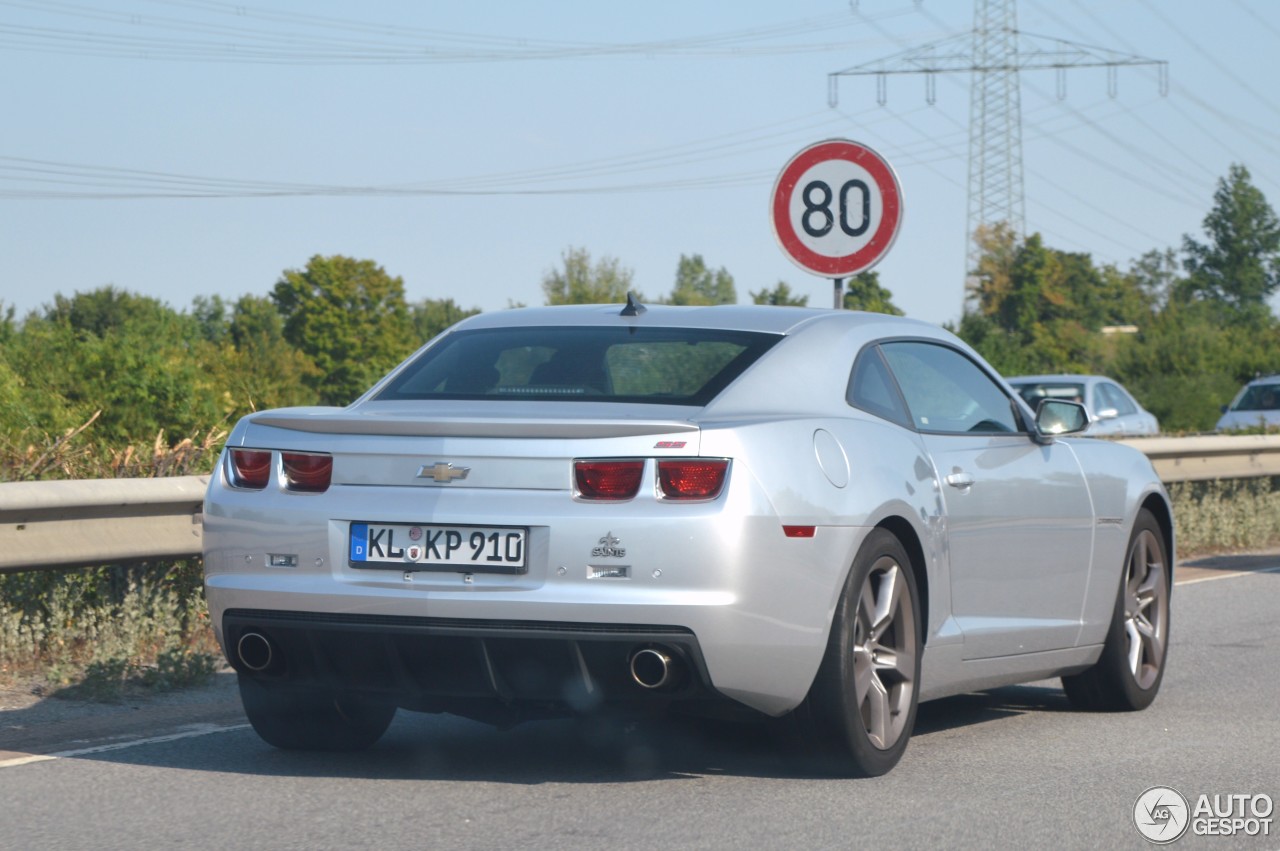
column 947, row 392
column 871, row 388
column 1114, row 397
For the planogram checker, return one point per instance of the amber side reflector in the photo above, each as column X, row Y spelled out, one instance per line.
column 304, row 471
column 799, row 531
column 251, row 468
column 691, row 478
column 609, row 479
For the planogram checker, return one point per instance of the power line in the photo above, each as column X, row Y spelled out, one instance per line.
column 994, row 53
column 264, row 36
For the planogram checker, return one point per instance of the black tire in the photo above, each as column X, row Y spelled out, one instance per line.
column 862, row 705
column 1127, row 675
column 294, row 718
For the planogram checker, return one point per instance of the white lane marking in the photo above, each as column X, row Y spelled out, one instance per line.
column 24, row 760
column 202, row 730
column 1234, row 575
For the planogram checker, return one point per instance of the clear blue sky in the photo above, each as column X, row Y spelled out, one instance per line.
column 182, row 148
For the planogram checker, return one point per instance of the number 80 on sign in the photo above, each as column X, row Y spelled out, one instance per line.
column 836, row 208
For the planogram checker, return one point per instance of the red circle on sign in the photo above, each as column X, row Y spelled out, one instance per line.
column 885, row 231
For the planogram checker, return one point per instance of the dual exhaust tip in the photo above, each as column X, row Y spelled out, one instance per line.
column 651, row 667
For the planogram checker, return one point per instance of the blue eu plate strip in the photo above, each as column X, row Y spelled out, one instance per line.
column 359, row 541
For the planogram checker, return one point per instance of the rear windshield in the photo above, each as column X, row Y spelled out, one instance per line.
column 674, row 366
column 1032, row 392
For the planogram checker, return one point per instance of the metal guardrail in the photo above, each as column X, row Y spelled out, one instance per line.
column 47, row 525
column 99, row 521
column 1212, row 456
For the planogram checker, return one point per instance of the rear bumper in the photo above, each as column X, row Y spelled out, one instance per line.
column 496, row 671
column 754, row 604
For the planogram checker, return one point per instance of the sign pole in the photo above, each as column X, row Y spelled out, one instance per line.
column 839, row 302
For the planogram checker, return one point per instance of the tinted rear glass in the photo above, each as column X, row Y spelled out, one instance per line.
column 675, row 366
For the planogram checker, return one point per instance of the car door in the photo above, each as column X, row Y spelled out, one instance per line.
column 1019, row 521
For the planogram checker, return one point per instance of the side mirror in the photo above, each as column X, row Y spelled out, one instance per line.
column 1058, row 417
column 1108, row 414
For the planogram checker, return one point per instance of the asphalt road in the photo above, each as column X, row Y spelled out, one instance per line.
column 1010, row 768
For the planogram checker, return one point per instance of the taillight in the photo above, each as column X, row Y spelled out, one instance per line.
column 306, row 472
column 251, row 468
column 608, row 479
column 691, row 478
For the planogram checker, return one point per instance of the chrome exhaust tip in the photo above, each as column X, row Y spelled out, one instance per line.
column 654, row 667
column 255, row 651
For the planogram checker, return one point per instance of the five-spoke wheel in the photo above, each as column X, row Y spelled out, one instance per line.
column 865, row 695
column 1127, row 675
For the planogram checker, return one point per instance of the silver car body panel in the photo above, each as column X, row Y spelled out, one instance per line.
column 1020, row 568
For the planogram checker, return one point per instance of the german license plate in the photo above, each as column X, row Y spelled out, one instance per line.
column 465, row 549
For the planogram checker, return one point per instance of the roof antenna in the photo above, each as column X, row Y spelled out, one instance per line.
column 634, row 307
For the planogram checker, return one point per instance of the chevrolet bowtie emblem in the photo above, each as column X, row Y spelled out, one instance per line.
column 442, row 471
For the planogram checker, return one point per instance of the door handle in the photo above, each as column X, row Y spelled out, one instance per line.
column 963, row 481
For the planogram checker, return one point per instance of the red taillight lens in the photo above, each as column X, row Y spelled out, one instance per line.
column 691, row 478
column 608, row 479
column 251, row 468
column 306, row 472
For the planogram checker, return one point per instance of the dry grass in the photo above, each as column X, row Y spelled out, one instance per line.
column 98, row 632
column 1226, row 516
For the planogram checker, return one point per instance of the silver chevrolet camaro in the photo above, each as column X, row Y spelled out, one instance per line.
column 545, row 511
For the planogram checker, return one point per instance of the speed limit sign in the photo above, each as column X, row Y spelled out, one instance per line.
column 836, row 208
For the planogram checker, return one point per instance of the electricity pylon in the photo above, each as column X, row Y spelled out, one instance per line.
column 994, row 53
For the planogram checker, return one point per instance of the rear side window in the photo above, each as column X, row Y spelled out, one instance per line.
column 676, row 366
column 871, row 388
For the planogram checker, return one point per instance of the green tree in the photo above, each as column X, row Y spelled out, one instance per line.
column 258, row 367
column 991, row 282
column 433, row 315
column 135, row 359
column 1184, row 365
column 1155, row 274
column 212, row 314
column 863, row 292
column 1036, row 309
column 7, row 326
column 350, row 318
column 696, row 284
column 582, row 282
column 1239, row 266
column 780, row 295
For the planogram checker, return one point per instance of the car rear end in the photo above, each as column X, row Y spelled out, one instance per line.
column 516, row 547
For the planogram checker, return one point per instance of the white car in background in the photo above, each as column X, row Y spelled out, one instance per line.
column 1113, row 412
column 1257, row 405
